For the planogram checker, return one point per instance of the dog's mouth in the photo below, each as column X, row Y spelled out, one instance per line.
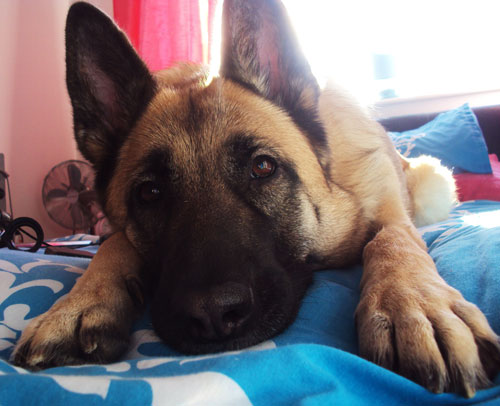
column 229, row 316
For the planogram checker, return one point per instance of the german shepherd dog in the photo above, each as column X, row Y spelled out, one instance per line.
column 228, row 192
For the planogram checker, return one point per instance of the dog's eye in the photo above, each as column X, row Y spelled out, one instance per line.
column 149, row 192
column 262, row 167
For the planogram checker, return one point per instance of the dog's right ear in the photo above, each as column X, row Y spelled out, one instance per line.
column 108, row 84
column 260, row 51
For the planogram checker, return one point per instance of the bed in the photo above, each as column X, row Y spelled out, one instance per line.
column 314, row 362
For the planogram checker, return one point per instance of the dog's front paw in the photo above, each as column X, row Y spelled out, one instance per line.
column 429, row 334
column 72, row 332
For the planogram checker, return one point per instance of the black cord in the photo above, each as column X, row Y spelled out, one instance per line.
column 10, row 197
column 6, row 177
column 45, row 244
column 25, row 232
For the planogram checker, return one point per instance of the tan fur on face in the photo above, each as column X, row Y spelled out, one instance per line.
column 229, row 109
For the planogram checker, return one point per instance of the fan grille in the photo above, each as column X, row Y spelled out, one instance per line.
column 68, row 195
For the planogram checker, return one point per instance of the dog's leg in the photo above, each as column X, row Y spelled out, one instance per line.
column 411, row 321
column 92, row 323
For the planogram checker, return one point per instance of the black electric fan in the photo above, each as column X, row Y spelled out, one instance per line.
column 69, row 196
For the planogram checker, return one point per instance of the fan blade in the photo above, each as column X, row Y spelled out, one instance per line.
column 75, row 177
column 87, row 197
column 55, row 193
column 77, row 217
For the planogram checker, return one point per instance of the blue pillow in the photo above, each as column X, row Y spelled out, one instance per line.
column 454, row 137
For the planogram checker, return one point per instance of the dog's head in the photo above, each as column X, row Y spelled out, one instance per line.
column 224, row 187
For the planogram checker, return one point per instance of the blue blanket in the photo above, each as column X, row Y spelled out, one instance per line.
column 314, row 362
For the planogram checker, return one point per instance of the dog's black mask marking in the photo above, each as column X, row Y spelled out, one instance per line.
column 225, row 278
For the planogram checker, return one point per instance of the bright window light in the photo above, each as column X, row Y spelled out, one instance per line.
column 396, row 48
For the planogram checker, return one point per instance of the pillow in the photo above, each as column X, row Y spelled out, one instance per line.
column 454, row 137
column 474, row 186
column 466, row 250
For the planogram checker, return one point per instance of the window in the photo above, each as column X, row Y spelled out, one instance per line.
column 397, row 48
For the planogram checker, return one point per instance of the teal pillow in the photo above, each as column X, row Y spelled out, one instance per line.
column 454, row 137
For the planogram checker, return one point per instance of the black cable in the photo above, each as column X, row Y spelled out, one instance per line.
column 44, row 244
column 10, row 197
column 25, row 232
column 17, row 226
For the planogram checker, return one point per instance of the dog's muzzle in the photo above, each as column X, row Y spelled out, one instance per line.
column 213, row 318
column 212, row 303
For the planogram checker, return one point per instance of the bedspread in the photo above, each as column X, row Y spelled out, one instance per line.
column 313, row 362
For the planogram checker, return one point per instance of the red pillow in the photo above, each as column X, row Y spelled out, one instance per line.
column 474, row 186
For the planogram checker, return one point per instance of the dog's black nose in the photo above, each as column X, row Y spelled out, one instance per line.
column 220, row 311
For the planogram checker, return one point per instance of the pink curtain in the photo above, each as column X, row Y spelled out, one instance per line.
column 167, row 31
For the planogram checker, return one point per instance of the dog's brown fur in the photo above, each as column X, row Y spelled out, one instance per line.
column 351, row 200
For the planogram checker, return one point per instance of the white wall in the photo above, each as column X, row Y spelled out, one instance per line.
column 433, row 104
column 35, row 113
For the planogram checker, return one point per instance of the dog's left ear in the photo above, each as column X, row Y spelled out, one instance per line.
column 261, row 52
column 108, row 84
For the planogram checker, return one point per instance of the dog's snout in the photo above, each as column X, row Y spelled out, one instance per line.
column 219, row 312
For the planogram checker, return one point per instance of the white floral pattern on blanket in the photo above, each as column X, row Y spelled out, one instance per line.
column 313, row 362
